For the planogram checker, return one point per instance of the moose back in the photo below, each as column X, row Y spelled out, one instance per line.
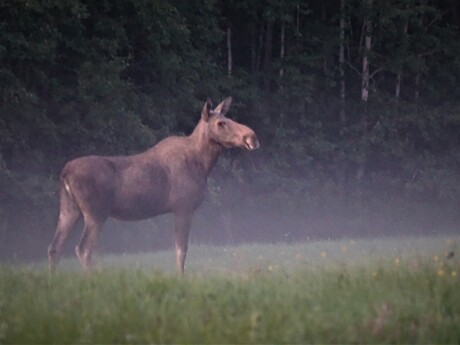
column 170, row 177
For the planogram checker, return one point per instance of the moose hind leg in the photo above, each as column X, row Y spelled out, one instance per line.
column 183, row 223
column 84, row 249
column 68, row 216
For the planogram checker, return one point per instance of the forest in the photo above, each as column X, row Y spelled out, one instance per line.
column 356, row 104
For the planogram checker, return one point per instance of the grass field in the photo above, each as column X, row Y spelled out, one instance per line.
column 397, row 290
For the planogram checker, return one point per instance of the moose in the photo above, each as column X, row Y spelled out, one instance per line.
column 170, row 177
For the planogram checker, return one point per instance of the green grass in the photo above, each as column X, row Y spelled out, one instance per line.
column 368, row 291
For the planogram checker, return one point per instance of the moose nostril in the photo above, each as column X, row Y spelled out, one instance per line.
column 251, row 142
column 256, row 142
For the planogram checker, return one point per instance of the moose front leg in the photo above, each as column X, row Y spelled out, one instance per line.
column 183, row 223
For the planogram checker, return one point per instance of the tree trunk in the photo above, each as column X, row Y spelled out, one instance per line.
column 365, row 89
column 366, row 53
column 417, row 91
column 261, row 43
column 282, row 47
column 398, row 85
column 342, row 114
column 268, row 54
column 400, row 71
column 253, row 48
column 229, row 51
column 325, row 53
column 417, row 76
column 297, row 23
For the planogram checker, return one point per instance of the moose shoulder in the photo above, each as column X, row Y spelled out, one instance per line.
column 170, row 177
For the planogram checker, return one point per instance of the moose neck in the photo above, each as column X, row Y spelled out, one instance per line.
column 207, row 150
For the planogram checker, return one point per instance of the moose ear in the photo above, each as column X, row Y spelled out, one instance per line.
column 206, row 109
column 224, row 107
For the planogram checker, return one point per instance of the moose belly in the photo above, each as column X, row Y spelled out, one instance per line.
column 138, row 207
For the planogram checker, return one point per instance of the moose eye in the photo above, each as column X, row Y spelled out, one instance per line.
column 221, row 124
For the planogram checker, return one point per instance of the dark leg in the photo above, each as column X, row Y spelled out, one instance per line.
column 183, row 223
column 68, row 216
column 84, row 249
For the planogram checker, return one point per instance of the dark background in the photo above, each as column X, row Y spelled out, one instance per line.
column 113, row 77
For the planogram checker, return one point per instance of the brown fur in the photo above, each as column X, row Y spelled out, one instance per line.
column 168, row 178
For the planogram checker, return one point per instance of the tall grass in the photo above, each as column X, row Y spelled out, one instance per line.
column 381, row 291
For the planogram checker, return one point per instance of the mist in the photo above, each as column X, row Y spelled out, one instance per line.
column 239, row 211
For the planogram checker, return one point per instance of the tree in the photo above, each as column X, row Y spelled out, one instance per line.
column 342, row 115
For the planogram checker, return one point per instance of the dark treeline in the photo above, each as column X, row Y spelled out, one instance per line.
column 356, row 104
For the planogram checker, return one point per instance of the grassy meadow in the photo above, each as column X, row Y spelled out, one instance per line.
column 396, row 290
